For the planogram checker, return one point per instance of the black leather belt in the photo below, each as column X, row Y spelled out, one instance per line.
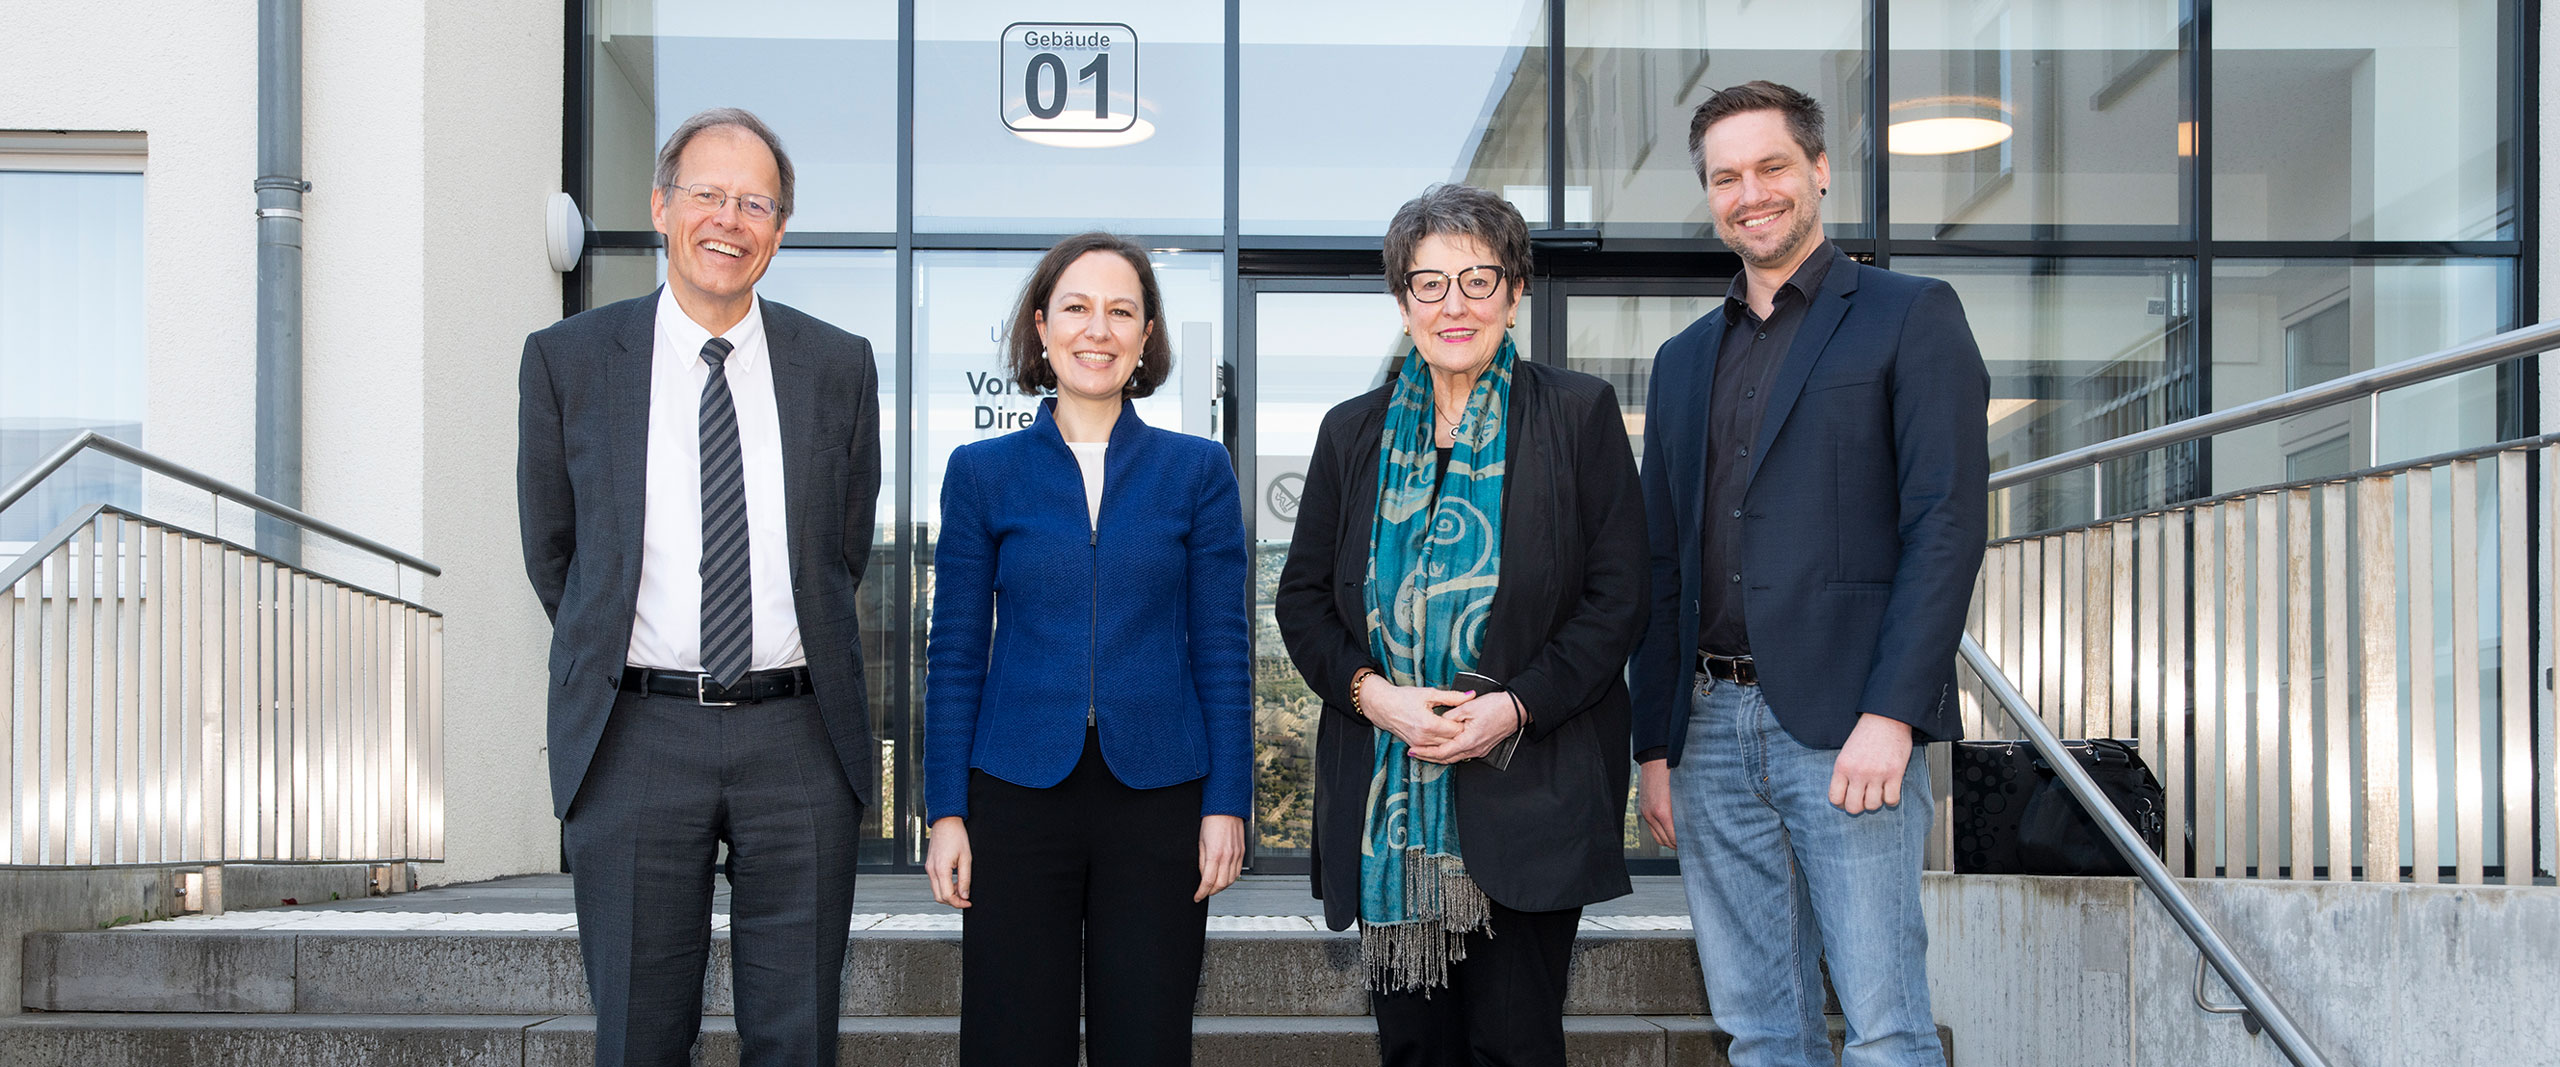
column 756, row 686
column 1737, row 669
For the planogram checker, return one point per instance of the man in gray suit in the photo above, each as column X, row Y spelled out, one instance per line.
column 695, row 478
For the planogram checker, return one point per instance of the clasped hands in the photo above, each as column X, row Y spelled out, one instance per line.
column 1470, row 728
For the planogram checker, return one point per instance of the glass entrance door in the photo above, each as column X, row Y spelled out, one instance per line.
column 1612, row 329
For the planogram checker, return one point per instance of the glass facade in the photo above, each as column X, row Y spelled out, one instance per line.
column 2152, row 209
column 1635, row 69
column 2090, row 88
column 1355, row 107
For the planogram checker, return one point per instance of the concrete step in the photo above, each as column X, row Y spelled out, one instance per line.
column 887, row 973
column 253, row 1040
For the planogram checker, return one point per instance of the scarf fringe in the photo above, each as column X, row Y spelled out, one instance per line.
column 1405, row 956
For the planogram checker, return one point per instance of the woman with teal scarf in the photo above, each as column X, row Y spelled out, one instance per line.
column 1463, row 587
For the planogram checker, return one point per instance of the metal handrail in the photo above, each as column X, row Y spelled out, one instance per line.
column 92, row 440
column 2260, row 1006
column 2487, row 351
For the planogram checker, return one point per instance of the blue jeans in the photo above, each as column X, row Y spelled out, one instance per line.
column 1779, row 880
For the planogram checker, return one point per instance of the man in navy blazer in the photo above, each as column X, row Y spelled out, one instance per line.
column 696, row 477
column 1814, row 481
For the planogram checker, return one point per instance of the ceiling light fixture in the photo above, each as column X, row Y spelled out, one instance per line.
column 1137, row 131
column 1946, row 125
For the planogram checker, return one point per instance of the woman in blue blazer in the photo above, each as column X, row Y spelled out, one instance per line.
column 1088, row 737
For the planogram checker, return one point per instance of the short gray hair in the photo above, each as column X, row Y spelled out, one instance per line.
column 725, row 116
column 1450, row 209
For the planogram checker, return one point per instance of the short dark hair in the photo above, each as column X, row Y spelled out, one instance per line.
column 1803, row 114
column 741, row 118
column 1449, row 209
column 1027, row 353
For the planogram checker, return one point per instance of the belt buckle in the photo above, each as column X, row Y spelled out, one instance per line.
column 702, row 693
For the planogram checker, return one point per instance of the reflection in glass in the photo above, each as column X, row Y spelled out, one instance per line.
column 1637, row 69
column 826, row 81
column 1615, row 337
column 1348, row 109
column 71, row 350
column 1311, row 352
column 2329, row 127
column 2280, row 324
column 974, row 174
column 2080, row 351
column 2089, row 91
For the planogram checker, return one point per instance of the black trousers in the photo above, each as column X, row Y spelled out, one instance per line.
column 671, row 781
column 1503, row 1006
column 1087, row 883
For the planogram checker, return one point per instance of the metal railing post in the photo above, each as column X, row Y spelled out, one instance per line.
column 2155, row 877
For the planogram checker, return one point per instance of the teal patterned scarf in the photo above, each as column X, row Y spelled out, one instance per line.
column 1435, row 553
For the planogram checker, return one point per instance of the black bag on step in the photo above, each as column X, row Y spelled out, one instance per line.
column 2014, row 816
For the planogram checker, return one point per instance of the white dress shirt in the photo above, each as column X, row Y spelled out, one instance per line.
column 1089, row 457
column 667, row 632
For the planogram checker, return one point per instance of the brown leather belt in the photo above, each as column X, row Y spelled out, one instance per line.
column 1737, row 669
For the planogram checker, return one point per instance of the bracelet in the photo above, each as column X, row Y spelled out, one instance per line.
column 1356, row 709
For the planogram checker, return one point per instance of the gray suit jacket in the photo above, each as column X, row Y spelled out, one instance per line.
column 581, row 477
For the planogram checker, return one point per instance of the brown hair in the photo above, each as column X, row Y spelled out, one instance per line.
column 743, row 119
column 1027, row 354
column 1449, row 209
column 1802, row 113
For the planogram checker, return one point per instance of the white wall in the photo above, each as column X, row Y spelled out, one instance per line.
column 492, row 154
column 431, row 136
column 186, row 75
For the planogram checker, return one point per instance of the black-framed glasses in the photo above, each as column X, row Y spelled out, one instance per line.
column 1432, row 286
column 711, row 198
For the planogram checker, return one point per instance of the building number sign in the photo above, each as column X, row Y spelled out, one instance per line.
column 1069, row 77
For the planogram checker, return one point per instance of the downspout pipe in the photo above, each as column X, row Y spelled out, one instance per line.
column 280, row 188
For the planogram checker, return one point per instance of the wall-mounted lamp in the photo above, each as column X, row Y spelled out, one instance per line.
column 1945, row 125
column 564, row 231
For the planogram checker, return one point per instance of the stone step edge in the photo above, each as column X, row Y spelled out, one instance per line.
column 863, row 923
column 122, row 1040
column 900, row 974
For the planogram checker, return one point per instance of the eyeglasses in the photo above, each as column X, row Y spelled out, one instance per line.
column 711, row 198
column 1432, row 286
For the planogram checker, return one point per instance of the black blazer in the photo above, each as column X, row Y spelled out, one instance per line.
column 1863, row 519
column 582, row 475
column 1549, row 832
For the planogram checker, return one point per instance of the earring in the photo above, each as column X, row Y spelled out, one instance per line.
column 1513, row 324
column 1824, row 191
column 1405, row 330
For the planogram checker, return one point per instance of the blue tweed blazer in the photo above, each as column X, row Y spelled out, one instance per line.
column 1040, row 616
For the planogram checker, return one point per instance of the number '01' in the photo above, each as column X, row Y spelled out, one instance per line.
column 1098, row 72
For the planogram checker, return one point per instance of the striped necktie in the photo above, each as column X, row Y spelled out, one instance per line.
column 728, row 602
